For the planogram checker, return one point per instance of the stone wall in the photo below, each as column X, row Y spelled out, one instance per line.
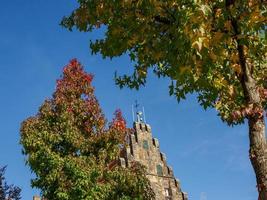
column 36, row 198
column 145, row 149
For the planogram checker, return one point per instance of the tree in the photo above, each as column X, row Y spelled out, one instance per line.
column 216, row 49
column 8, row 192
column 73, row 152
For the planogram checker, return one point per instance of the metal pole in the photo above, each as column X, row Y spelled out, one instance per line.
column 144, row 114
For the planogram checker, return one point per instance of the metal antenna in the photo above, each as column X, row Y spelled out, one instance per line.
column 138, row 112
column 144, row 114
column 136, row 105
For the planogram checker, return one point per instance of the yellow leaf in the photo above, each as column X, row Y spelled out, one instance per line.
column 206, row 42
column 197, row 45
column 217, row 37
column 228, row 25
column 183, row 69
column 218, row 105
column 237, row 68
column 220, row 82
column 202, row 41
column 231, row 90
column 234, row 58
column 213, row 56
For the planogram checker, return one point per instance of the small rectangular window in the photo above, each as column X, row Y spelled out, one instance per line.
column 145, row 144
column 159, row 170
column 168, row 193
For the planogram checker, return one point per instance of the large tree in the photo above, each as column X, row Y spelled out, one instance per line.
column 216, row 49
column 72, row 150
column 8, row 192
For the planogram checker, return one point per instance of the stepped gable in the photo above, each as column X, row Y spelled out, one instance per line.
column 143, row 148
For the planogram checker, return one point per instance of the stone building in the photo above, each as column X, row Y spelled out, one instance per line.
column 38, row 198
column 142, row 147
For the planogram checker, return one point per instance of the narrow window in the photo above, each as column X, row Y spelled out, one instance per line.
column 159, row 170
column 168, row 193
column 145, row 144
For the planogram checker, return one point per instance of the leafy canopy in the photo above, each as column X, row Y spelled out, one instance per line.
column 192, row 42
column 72, row 150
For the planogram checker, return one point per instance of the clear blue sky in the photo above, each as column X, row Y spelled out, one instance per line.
column 207, row 156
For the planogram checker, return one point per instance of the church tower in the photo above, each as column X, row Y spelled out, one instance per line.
column 145, row 149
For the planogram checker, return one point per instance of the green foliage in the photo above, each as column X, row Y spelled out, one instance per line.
column 192, row 42
column 72, row 151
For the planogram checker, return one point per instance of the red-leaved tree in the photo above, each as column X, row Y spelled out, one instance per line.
column 73, row 151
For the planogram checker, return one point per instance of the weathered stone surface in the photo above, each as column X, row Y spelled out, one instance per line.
column 145, row 149
column 122, row 162
column 36, row 198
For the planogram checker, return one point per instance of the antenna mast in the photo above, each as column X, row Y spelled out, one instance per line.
column 140, row 115
column 133, row 112
column 144, row 114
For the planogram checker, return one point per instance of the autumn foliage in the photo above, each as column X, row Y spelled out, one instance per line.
column 193, row 43
column 72, row 150
column 214, row 49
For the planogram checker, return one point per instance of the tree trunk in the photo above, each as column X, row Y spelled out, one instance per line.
column 258, row 153
column 257, row 137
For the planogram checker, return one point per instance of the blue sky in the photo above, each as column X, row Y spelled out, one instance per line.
column 209, row 158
